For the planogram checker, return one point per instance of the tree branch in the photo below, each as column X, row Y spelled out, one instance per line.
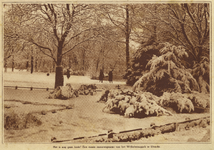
column 77, row 45
column 115, row 23
column 47, row 54
column 76, row 36
column 40, row 46
column 193, row 20
column 55, row 20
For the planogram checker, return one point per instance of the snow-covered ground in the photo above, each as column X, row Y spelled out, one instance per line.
column 86, row 117
column 40, row 79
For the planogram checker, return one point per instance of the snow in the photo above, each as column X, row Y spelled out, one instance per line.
column 40, row 79
column 84, row 119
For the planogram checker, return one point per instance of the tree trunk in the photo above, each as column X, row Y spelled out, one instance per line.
column 155, row 26
column 97, row 64
column 59, row 80
column 53, row 65
column 83, row 60
column 27, row 65
column 5, row 66
column 36, row 64
column 127, row 37
column 39, row 63
column 199, row 53
column 103, row 66
column 83, row 63
column 13, row 64
column 69, row 61
column 31, row 64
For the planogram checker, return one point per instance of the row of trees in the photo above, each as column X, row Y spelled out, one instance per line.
column 94, row 31
column 81, row 59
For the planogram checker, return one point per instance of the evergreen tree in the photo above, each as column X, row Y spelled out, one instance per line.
column 159, row 68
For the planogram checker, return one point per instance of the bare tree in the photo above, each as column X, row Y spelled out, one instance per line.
column 119, row 15
column 55, row 29
column 186, row 24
